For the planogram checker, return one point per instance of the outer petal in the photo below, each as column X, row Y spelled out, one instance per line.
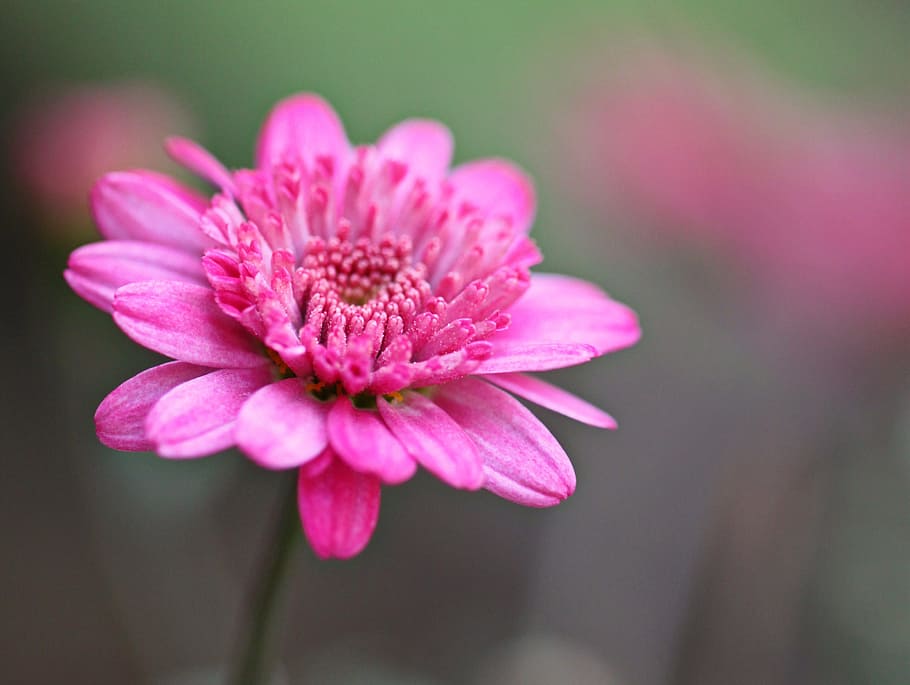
column 497, row 188
column 97, row 270
column 523, row 462
column 134, row 205
column 304, row 127
column 200, row 161
column 508, row 356
column 424, row 145
column 181, row 320
column 361, row 438
column 281, row 426
column 197, row 418
column 560, row 309
column 339, row 509
column 120, row 418
column 434, row 440
column 549, row 396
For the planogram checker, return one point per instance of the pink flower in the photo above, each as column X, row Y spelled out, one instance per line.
column 809, row 202
column 836, row 240
column 349, row 312
column 687, row 146
column 63, row 142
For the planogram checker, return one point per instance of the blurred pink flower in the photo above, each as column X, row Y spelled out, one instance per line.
column 350, row 312
column 838, row 229
column 682, row 144
column 812, row 204
column 64, row 141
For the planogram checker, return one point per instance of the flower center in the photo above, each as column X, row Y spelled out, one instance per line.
column 364, row 290
column 358, row 272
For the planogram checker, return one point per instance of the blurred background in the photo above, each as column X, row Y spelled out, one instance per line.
column 739, row 173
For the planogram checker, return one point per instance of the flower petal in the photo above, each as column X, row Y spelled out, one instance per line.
column 197, row 418
column 434, row 440
column 360, row 437
column 339, row 509
column 120, row 418
column 523, row 462
column 303, row 126
column 281, row 426
column 561, row 309
column 554, row 398
column 98, row 269
column 141, row 205
column 424, row 145
column 181, row 320
column 496, row 188
column 200, row 161
column 508, row 356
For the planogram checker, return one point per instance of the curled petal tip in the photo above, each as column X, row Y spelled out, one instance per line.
column 200, row 161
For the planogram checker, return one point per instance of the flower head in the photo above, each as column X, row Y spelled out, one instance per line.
column 350, row 312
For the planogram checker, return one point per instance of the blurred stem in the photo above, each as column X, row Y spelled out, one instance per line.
column 257, row 648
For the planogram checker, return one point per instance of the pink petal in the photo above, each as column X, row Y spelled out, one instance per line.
column 97, row 270
column 282, row 426
column 197, row 418
column 200, row 161
column 434, row 440
column 181, row 320
column 120, row 418
column 424, row 145
column 317, row 465
column 561, row 309
column 339, row 509
column 133, row 205
column 496, row 188
column 509, row 356
column 554, row 398
column 304, row 127
column 361, row 438
column 523, row 462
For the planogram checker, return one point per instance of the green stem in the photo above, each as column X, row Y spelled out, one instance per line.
column 254, row 665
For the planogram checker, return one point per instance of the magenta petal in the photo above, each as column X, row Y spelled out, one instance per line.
column 120, row 418
column 436, row 441
column 339, row 509
column 181, row 320
column 496, row 188
column 197, row 418
column 509, row 356
column 424, row 145
column 304, row 127
column 97, row 270
column 282, row 426
column 200, row 161
column 561, row 309
column 360, row 437
column 554, row 398
column 317, row 465
column 133, row 205
column 523, row 462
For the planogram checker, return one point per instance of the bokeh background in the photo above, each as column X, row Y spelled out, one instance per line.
column 737, row 172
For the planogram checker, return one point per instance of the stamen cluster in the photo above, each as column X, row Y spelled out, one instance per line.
column 344, row 298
